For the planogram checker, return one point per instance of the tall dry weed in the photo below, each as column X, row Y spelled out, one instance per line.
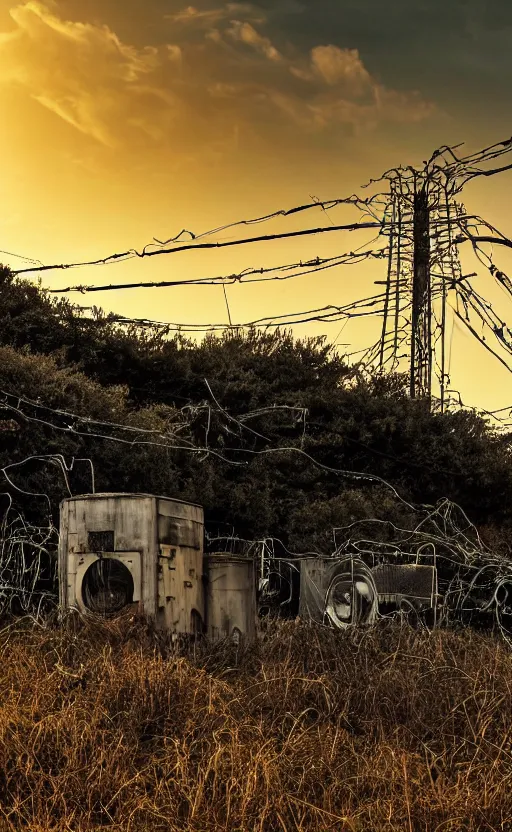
column 104, row 727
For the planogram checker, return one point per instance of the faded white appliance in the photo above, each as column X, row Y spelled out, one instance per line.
column 118, row 551
column 231, row 610
column 339, row 592
column 343, row 591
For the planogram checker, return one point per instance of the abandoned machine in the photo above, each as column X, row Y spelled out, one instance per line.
column 147, row 553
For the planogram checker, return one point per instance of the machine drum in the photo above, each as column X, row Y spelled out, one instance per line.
column 351, row 597
column 107, row 587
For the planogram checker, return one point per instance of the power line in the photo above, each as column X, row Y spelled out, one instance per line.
column 394, row 215
column 306, row 267
column 195, row 246
column 21, row 257
column 324, row 314
column 363, row 204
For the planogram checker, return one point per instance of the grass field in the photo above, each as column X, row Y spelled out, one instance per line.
column 385, row 729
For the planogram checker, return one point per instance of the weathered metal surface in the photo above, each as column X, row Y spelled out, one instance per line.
column 416, row 583
column 231, row 610
column 345, row 591
column 180, row 590
column 180, row 524
column 339, row 592
column 136, row 529
column 181, row 602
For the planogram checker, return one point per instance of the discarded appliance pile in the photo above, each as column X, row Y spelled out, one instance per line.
column 135, row 550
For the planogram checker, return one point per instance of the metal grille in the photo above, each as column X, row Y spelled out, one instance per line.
column 405, row 580
column 100, row 541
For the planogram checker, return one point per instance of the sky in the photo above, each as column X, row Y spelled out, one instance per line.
column 124, row 121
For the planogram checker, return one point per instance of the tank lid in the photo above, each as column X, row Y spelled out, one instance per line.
column 225, row 557
column 128, row 495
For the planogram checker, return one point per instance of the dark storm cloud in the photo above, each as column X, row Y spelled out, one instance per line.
column 449, row 49
column 455, row 52
column 213, row 71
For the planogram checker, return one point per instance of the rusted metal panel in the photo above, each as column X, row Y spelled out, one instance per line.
column 181, row 590
column 180, row 510
column 125, row 516
column 414, row 582
column 180, row 524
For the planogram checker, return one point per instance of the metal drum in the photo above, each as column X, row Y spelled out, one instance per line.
column 231, row 611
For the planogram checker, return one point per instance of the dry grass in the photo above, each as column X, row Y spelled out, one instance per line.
column 389, row 729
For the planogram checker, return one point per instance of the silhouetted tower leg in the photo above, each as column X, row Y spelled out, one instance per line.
column 421, row 326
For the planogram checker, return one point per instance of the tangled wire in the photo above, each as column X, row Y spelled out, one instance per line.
column 470, row 584
column 28, row 564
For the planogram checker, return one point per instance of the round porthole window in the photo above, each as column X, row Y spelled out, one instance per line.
column 107, row 587
column 352, row 596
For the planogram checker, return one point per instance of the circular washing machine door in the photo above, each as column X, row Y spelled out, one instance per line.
column 351, row 596
column 107, row 584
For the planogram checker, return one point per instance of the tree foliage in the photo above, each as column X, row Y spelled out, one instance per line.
column 322, row 415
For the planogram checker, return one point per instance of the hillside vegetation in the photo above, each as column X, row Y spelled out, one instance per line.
column 203, row 447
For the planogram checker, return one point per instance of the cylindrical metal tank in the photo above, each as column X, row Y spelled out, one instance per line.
column 230, row 597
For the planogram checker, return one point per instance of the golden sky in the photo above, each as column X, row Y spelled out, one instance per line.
column 124, row 120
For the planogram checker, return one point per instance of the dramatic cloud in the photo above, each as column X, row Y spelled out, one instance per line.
column 85, row 74
column 210, row 17
column 229, row 74
column 243, row 32
column 343, row 66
